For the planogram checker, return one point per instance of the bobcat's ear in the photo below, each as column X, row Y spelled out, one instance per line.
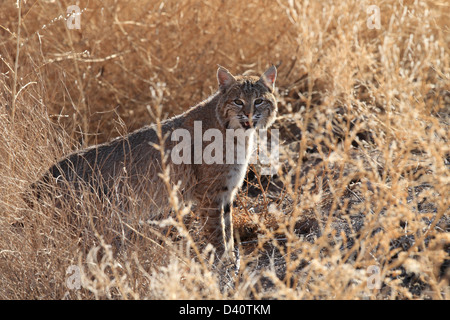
column 269, row 77
column 224, row 77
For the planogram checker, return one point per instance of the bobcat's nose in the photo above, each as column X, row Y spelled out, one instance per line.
column 248, row 122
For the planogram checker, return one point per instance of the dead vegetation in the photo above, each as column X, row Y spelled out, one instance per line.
column 359, row 208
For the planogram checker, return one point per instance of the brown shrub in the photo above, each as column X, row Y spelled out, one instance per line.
column 364, row 116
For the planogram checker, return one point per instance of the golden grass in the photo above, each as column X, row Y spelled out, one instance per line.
column 364, row 123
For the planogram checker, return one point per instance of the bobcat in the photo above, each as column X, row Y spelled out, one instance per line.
column 133, row 161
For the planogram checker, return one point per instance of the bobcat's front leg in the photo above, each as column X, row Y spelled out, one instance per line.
column 227, row 233
column 218, row 225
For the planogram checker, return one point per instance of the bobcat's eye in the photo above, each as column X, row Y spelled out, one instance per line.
column 238, row 102
column 258, row 101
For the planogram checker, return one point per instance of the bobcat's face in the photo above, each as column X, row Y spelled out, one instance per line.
column 247, row 102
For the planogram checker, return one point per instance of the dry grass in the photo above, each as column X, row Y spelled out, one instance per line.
column 364, row 122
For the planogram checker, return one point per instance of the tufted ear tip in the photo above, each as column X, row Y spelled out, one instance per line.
column 224, row 77
column 268, row 78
